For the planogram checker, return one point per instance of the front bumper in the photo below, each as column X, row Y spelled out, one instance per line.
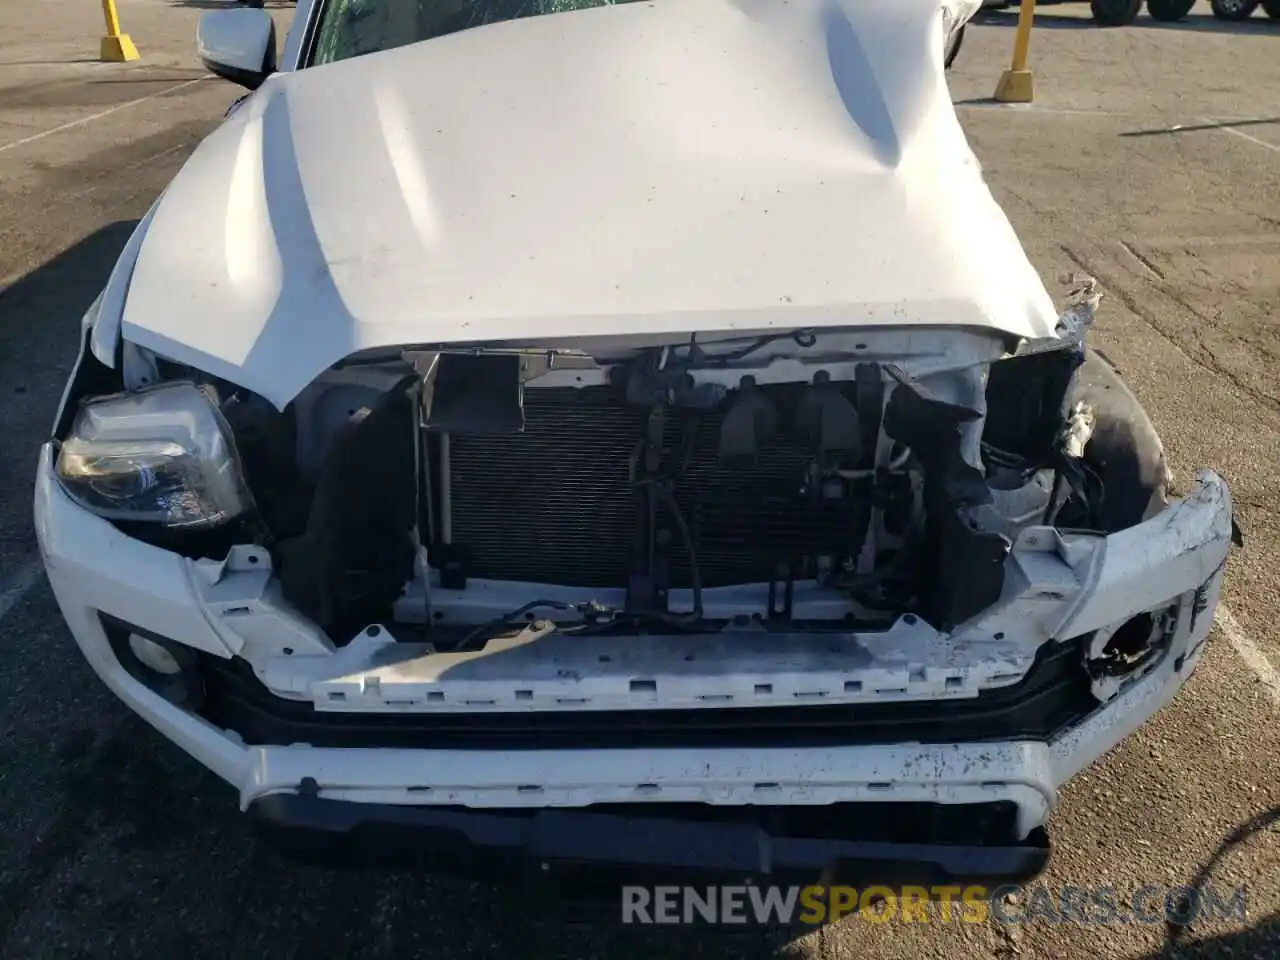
column 583, row 854
column 344, row 791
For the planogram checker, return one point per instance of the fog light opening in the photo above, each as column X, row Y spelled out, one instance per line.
column 153, row 656
column 163, row 666
column 1131, row 640
column 1132, row 644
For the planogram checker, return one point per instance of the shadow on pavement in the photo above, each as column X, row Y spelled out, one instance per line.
column 1044, row 21
column 1260, row 940
column 40, row 316
column 175, row 75
column 229, row 4
column 1207, row 23
column 1193, row 127
column 45, row 305
column 1203, row 23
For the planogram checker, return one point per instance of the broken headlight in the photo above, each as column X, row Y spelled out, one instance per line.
column 163, row 455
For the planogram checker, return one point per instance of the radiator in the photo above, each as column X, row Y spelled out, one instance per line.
column 554, row 503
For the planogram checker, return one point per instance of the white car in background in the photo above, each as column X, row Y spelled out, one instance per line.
column 629, row 434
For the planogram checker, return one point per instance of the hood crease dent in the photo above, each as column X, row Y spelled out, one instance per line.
column 683, row 166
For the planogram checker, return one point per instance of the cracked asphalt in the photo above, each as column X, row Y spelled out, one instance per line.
column 1150, row 159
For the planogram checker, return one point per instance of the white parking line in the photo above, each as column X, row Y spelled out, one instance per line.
column 1035, row 108
column 97, row 116
column 1253, row 658
column 26, row 577
column 1274, row 148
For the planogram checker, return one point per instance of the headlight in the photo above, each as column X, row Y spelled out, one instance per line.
column 163, row 455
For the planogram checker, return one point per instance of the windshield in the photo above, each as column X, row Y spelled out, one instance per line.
column 349, row 28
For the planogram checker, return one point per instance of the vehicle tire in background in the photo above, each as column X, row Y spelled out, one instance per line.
column 1168, row 11
column 1234, row 9
column 1272, row 7
column 1115, row 13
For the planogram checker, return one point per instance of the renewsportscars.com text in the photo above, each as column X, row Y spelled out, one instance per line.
column 1095, row 906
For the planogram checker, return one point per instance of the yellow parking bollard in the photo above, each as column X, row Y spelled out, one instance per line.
column 116, row 47
column 1015, row 84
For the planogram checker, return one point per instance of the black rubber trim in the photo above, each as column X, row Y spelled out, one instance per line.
column 589, row 852
column 1124, row 451
column 1051, row 698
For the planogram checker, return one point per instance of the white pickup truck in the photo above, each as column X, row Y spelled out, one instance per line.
column 627, row 434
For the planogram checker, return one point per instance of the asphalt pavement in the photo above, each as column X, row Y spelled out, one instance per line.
column 1150, row 159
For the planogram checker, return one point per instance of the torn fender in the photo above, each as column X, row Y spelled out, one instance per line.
column 1176, row 551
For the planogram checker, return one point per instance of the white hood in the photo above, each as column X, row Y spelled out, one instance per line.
column 684, row 165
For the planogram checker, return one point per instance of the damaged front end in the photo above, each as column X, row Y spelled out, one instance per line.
column 831, row 517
